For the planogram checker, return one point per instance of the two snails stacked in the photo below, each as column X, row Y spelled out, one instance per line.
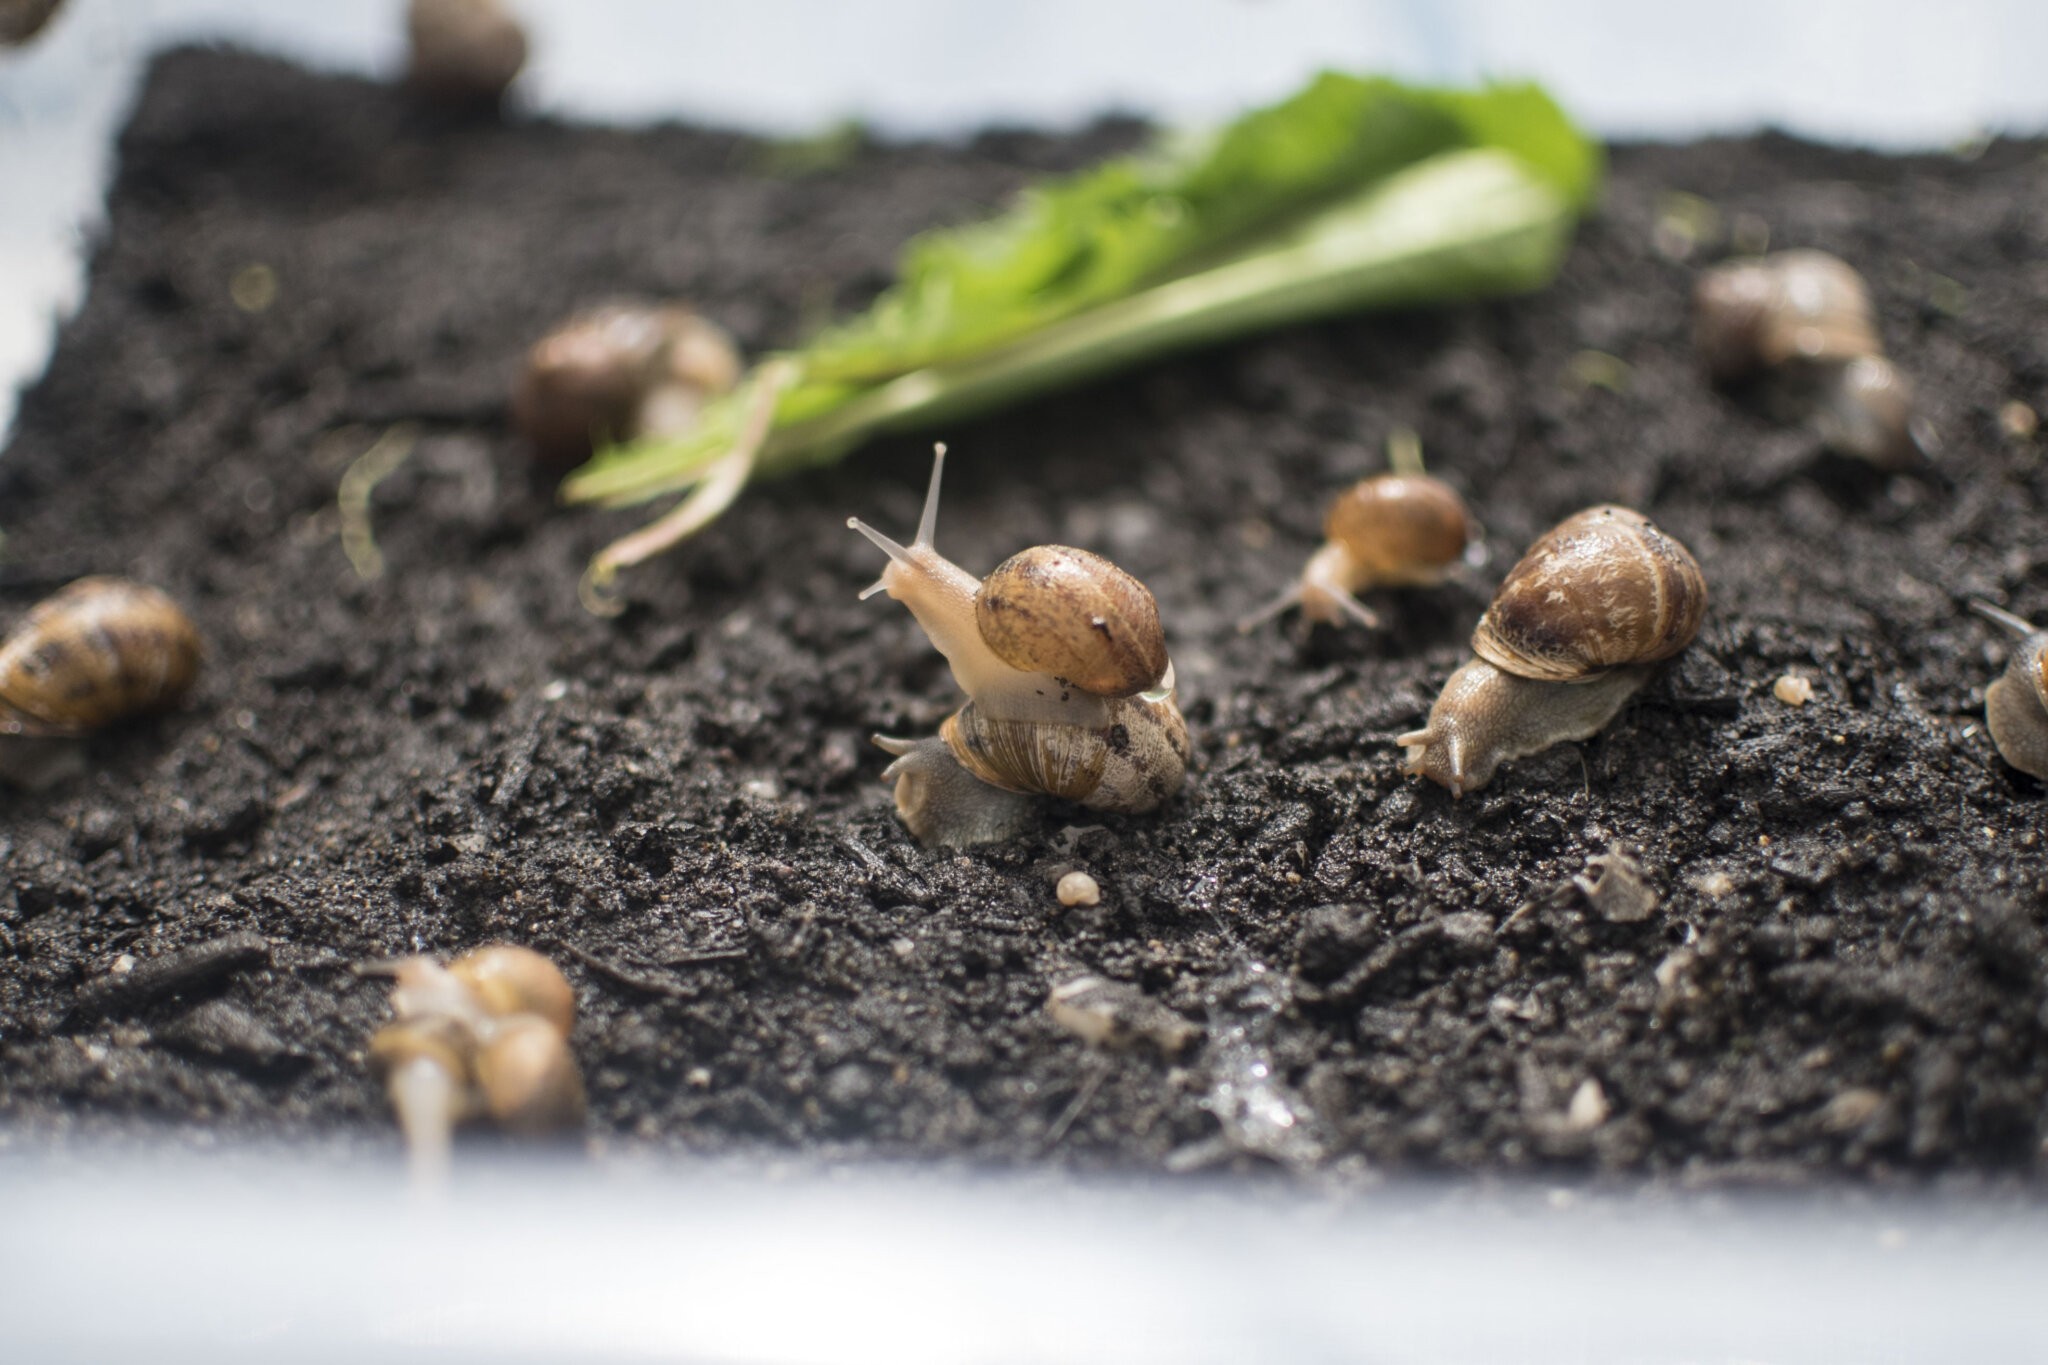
column 484, row 1037
column 1070, row 690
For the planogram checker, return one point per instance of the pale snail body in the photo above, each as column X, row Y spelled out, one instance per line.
column 97, row 652
column 1806, row 318
column 1577, row 627
column 1401, row 530
column 463, row 52
column 484, row 1037
column 618, row 371
column 1070, row 688
column 2016, row 704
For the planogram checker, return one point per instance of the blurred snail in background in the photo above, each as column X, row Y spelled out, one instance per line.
column 2016, row 706
column 21, row 20
column 619, row 371
column 1805, row 319
column 463, row 52
column 1577, row 626
column 485, row 1037
column 95, row 653
column 1398, row 530
column 1070, row 691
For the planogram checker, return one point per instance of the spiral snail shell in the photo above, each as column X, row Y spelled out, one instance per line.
column 96, row 652
column 1577, row 626
column 2016, row 704
column 1070, row 690
column 463, row 52
column 617, row 371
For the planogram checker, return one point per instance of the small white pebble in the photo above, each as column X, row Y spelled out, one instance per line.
column 698, row 1078
column 555, row 690
column 903, row 947
column 1078, row 888
column 2018, row 420
column 1793, row 690
column 1588, row 1107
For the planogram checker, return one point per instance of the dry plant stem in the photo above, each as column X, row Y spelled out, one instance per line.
column 721, row 483
column 352, row 498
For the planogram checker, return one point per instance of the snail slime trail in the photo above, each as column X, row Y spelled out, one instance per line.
column 1578, row 625
column 1070, row 690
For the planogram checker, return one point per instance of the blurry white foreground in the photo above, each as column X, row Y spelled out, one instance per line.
column 233, row 1261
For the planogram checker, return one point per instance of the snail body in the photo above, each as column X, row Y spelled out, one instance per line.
column 1805, row 319
column 2016, row 705
column 97, row 652
column 618, row 371
column 484, row 1037
column 1578, row 625
column 1070, row 688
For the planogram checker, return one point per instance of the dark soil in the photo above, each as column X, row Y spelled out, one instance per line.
column 1847, row 971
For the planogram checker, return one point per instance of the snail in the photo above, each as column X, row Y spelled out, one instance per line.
column 1070, row 691
column 1805, row 319
column 21, row 20
column 1398, row 530
column 618, row 371
column 463, row 52
column 2016, row 706
column 1577, row 626
column 96, row 652
column 486, row 1036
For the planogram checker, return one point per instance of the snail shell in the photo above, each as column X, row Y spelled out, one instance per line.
column 99, row 651
column 464, row 52
column 1576, row 628
column 2016, row 704
column 1790, row 306
column 1601, row 589
column 508, row 979
column 526, row 1077
column 1132, row 763
column 617, row 371
column 1075, row 615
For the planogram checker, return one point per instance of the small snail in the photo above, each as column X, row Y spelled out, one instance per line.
column 96, row 652
column 618, row 371
column 464, row 52
column 1805, row 318
column 486, row 1036
column 2016, row 706
column 1070, row 691
column 1577, row 626
column 1398, row 530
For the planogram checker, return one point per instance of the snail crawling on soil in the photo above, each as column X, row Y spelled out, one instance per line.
column 618, row 371
column 2016, row 706
column 1398, row 530
column 1577, row 626
column 463, row 52
column 99, row 651
column 1070, row 691
column 1805, row 318
column 486, row 1037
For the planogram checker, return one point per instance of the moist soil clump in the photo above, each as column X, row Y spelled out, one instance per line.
column 1818, row 949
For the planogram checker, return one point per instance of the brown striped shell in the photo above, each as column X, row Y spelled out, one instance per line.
column 1075, row 615
column 96, row 652
column 1130, row 764
column 1602, row 589
column 1399, row 529
column 526, row 1077
column 1790, row 306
